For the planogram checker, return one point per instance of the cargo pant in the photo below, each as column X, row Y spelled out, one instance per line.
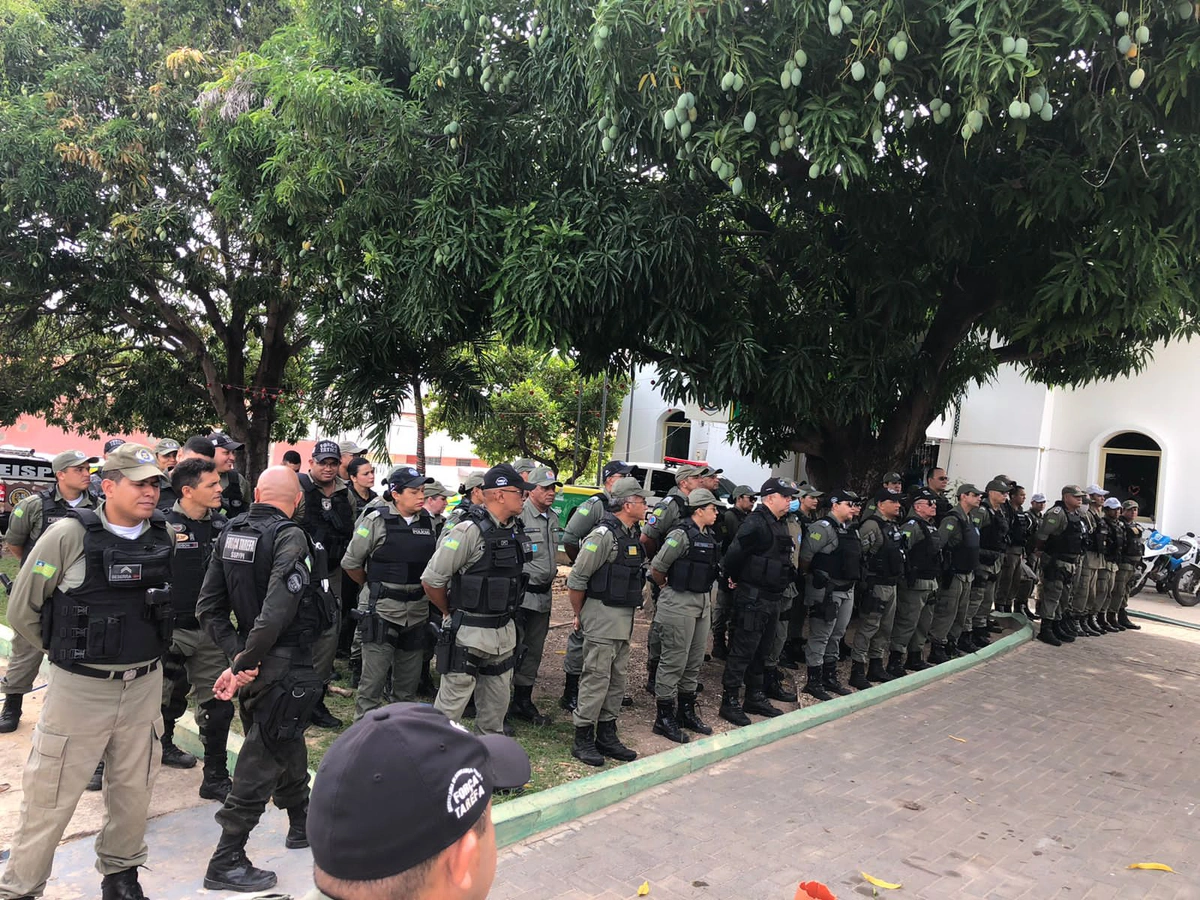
column 1007, row 585
column 914, row 615
column 573, row 661
column 1104, row 583
column 875, row 624
column 83, row 721
column 783, row 627
column 753, row 620
column 982, row 598
column 1083, row 591
column 488, row 647
column 606, row 639
column 950, row 601
column 828, row 616
column 23, row 664
column 1119, row 599
column 1057, row 577
column 683, row 621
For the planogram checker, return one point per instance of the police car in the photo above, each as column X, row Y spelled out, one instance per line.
column 22, row 472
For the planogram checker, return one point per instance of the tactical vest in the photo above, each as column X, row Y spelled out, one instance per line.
column 246, row 549
column 114, row 616
column 1088, row 524
column 696, row 570
column 1133, row 548
column 329, row 521
column 405, row 551
column 887, row 564
column 495, row 584
column 845, row 563
column 1019, row 525
column 965, row 557
column 1111, row 539
column 1069, row 542
column 53, row 509
column 619, row 582
column 770, row 570
column 924, row 559
column 993, row 537
column 725, row 534
column 231, row 494
column 193, row 549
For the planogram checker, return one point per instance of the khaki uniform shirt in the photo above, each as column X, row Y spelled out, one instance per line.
column 26, row 519
column 369, row 534
column 598, row 620
column 586, row 517
column 683, row 603
column 57, row 563
column 818, row 538
column 663, row 517
column 460, row 548
column 545, row 532
column 1092, row 559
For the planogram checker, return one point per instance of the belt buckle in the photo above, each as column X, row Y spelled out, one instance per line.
column 129, row 675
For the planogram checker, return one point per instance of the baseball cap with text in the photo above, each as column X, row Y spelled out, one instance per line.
column 69, row 459
column 326, row 449
column 135, row 461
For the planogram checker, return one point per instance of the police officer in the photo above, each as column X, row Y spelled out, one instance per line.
column 1083, row 589
column 919, row 590
column 757, row 568
column 29, row 519
column 327, row 516
column 1037, row 508
column 1019, row 526
column 533, row 616
column 273, row 578
column 96, row 482
column 524, row 466
column 585, row 517
column 939, row 482
column 1060, row 537
column 348, row 451
column 481, row 560
column 193, row 660
column 166, row 456
column 990, row 519
column 775, row 686
column 831, row 556
column 235, row 488
column 685, row 569
column 1111, row 540
column 360, row 485
column 743, row 498
column 605, row 588
column 436, row 495
column 959, row 533
column 1132, row 550
column 471, row 493
column 883, row 561
column 893, row 483
column 793, row 654
column 94, row 599
column 391, row 547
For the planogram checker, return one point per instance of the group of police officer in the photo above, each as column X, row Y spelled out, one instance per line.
column 226, row 593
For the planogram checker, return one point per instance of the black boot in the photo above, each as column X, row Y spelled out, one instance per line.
column 858, row 676
column 938, row 653
column 720, row 647
column 297, row 833
column 610, row 745
column 731, row 709
column 813, row 686
column 895, row 664
column 522, row 706
column 952, row 649
column 666, row 724
column 10, row 716
column 121, row 886
column 829, row 678
column 172, row 756
column 1047, row 636
column 1063, row 631
column 994, row 627
column 322, row 717
column 756, row 702
column 1089, row 624
column 651, row 674
column 980, row 638
column 914, row 663
column 584, row 748
column 688, row 716
column 570, row 698
column 1111, row 618
column 966, row 643
column 1028, row 613
column 876, row 673
column 231, row 870
column 97, row 779
column 355, row 672
column 791, row 656
column 775, row 688
column 425, row 686
column 1127, row 623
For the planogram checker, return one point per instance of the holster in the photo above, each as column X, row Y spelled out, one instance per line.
column 370, row 626
column 443, row 651
column 287, row 708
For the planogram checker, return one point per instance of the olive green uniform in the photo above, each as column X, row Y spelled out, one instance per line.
column 916, row 598
column 533, row 618
column 83, row 721
column 659, row 522
column 1132, row 550
column 874, row 634
column 733, row 520
column 586, row 517
column 829, row 605
column 783, row 629
column 411, row 615
column 606, row 634
column 1083, row 589
column 974, row 615
column 683, row 623
column 1058, row 572
column 24, row 528
column 460, row 548
column 955, row 595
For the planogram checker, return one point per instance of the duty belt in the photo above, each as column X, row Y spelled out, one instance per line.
column 119, row 675
column 498, row 621
column 539, row 588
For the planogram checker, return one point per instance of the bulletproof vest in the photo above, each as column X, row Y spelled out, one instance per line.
column 405, row 550
column 1111, row 539
column 619, row 582
column 53, row 509
column 167, row 497
column 109, row 617
column 725, row 534
column 1088, row 524
column 844, row 563
column 941, row 508
column 231, row 495
column 494, row 584
column 193, row 549
column 327, row 520
column 460, row 512
column 696, row 570
column 1069, row 541
column 993, row 536
column 1134, row 546
column 246, row 549
column 923, row 558
column 965, row 557
column 771, row 569
column 887, row 564
column 1020, row 523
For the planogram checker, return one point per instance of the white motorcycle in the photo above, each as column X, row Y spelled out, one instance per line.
column 1172, row 566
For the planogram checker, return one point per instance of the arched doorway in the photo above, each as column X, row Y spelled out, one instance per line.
column 677, row 435
column 1130, row 468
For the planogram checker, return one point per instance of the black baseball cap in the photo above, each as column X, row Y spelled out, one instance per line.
column 504, row 475
column 777, row 486
column 407, row 477
column 400, row 786
column 924, row 494
column 615, row 467
column 112, row 444
column 844, row 495
column 223, row 440
column 327, row 449
column 883, row 495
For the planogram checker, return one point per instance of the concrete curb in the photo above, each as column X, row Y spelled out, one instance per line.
column 1165, row 620
column 522, row 817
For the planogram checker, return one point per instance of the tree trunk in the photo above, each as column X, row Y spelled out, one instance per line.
column 419, row 407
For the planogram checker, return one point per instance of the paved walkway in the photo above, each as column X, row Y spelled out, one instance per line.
column 1151, row 601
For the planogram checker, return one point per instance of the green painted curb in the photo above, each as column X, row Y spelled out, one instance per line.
column 1165, row 620
column 522, row 817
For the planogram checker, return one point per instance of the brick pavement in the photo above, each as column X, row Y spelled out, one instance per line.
column 1076, row 762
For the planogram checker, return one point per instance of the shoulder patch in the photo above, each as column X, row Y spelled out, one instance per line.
column 18, row 512
column 362, row 531
column 297, row 579
column 651, row 518
column 591, row 546
column 584, row 511
column 671, row 542
column 815, row 535
column 44, row 569
column 450, row 543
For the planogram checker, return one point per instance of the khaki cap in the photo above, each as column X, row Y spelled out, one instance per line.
column 542, row 477
column 688, row 472
column 165, row 446
column 134, row 461
column 70, row 458
column 701, row 497
column 624, row 488
column 472, row 481
column 967, row 489
column 436, row 489
column 997, row 484
column 1074, row 490
column 1130, row 504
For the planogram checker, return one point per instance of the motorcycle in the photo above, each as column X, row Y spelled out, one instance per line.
column 1165, row 563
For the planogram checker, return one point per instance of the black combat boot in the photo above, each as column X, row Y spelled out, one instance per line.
column 875, row 671
column 938, row 653
column 651, row 674
column 1089, row 623
column 829, row 678
column 720, row 647
column 914, row 663
column 895, row 664
column 10, row 716
column 966, row 644
column 813, row 686
column 980, row 637
column 121, row 886
column 97, row 780
column 1047, row 636
column 1111, row 618
column 425, row 686
column 610, row 745
column 1101, row 620
column 522, row 706
column 858, row 676
column 731, row 709
column 666, row 724
column 776, row 688
column 172, row 756
column 1063, row 631
column 297, row 833
column 322, row 717
column 231, row 870
column 570, row 698
column 1127, row 623
column 756, row 702
column 584, row 748
column 792, row 656
column 689, row 718
column 355, row 672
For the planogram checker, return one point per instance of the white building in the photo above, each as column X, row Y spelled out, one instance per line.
column 1137, row 436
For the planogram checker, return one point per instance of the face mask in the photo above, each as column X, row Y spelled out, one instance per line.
column 794, row 505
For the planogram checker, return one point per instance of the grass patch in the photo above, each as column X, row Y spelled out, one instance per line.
column 9, row 566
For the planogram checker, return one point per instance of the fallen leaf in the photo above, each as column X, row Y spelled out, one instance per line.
column 879, row 882
column 1157, row 867
column 813, row 890
column 3, row 787
column 644, row 889
column 960, row 740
